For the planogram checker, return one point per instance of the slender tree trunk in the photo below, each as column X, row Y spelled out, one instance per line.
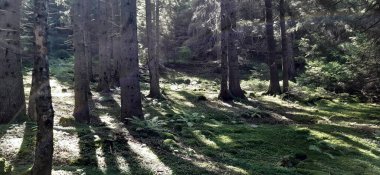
column 116, row 42
column 104, row 52
column 152, row 57
column 284, row 47
column 12, row 97
column 129, row 73
column 291, row 64
column 157, row 34
column 81, row 86
column 224, row 27
column 274, row 86
column 233, row 60
column 44, row 140
column 88, row 4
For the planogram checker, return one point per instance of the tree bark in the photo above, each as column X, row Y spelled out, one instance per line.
column 152, row 57
column 104, row 52
column 129, row 73
column 12, row 97
column 233, row 60
column 44, row 109
column 284, row 47
column 81, row 85
column 116, row 49
column 224, row 93
column 274, row 86
column 87, row 30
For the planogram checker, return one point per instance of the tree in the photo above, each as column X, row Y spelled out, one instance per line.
column 81, row 86
column 224, row 94
column 129, row 73
column 274, row 85
column 152, row 56
column 44, row 109
column 284, row 47
column 104, row 45
column 12, row 98
column 234, row 79
column 115, row 75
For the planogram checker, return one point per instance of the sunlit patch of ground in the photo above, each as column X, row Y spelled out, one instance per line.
column 186, row 134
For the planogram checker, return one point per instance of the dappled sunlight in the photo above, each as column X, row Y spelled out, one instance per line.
column 225, row 139
column 11, row 141
column 334, row 142
column 68, row 149
column 198, row 134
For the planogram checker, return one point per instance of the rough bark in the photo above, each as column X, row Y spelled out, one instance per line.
column 44, row 109
column 12, row 97
column 104, row 52
column 274, row 86
column 152, row 57
column 284, row 48
column 81, row 85
column 115, row 75
column 224, row 93
column 233, row 60
column 87, row 30
column 129, row 73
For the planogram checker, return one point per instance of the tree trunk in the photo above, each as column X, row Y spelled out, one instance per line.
column 291, row 64
column 274, row 86
column 116, row 43
column 104, row 52
column 81, row 86
column 44, row 109
column 284, row 47
column 88, row 4
column 12, row 97
column 129, row 73
column 152, row 57
column 233, row 60
column 223, row 49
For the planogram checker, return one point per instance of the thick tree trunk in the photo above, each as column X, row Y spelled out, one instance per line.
column 274, row 86
column 284, row 47
column 152, row 57
column 44, row 109
column 233, row 60
column 81, row 86
column 223, row 49
column 12, row 97
column 116, row 43
column 129, row 73
column 104, row 45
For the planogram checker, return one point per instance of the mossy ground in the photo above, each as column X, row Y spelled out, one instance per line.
column 185, row 134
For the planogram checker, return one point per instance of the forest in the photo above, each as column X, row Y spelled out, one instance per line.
column 189, row 87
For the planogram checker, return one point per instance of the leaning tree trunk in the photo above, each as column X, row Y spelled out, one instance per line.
column 81, row 85
column 224, row 94
column 274, row 86
column 12, row 97
column 129, row 73
column 233, row 60
column 44, row 140
column 104, row 52
column 152, row 59
column 284, row 47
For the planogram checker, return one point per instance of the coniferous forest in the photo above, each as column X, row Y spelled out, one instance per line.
column 190, row 87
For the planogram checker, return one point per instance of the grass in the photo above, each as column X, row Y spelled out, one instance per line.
column 185, row 135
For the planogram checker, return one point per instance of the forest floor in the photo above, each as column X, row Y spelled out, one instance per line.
column 192, row 132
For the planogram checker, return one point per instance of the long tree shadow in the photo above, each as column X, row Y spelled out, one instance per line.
column 25, row 156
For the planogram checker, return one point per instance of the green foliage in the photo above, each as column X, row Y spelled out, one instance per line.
column 184, row 53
